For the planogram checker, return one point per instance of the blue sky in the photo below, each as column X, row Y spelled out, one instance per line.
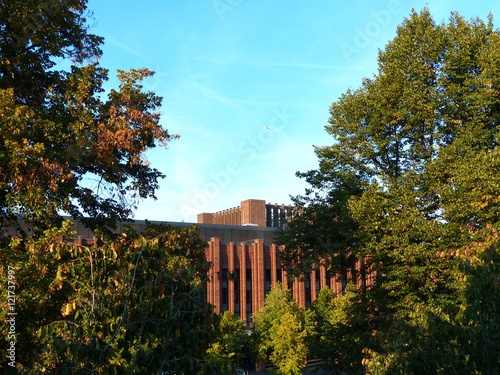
column 248, row 85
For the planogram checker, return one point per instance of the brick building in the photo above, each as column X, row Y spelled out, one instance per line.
column 244, row 272
column 245, row 258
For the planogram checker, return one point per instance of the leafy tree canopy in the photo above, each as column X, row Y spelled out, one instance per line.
column 281, row 332
column 340, row 332
column 412, row 177
column 65, row 147
column 134, row 305
column 227, row 350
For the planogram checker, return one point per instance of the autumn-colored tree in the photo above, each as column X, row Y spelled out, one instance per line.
column 65, row 148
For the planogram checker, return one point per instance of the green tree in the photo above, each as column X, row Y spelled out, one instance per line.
column 322, row 232
column 65, row 148
column 343, row 326
column 414, row 221
column 421, row 138
column 134, row 305
column 227, row 350
column 289, row 345
column 281, row 332
column 479, row 318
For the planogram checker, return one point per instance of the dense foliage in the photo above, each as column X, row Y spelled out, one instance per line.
column 65, row 147
column 338, row 334
column 411, row 184
column 230, row 347
column 134, row 305
column 281, row 332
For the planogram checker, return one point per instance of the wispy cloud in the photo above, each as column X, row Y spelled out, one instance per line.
column 110, row 40
column 304, row 65
column 212, row 94
column 239, row 104
column 232, row 103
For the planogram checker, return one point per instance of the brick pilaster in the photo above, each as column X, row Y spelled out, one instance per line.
column 274, row 263
column 243, row 281
column 284, row 279
column 301, row 293
column 259, row 272
column 322, row 273
column 313, row 285
column 255, row 272
column 215, row 247
column 231, row 250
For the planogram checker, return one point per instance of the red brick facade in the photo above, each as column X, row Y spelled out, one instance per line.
column 242, row 274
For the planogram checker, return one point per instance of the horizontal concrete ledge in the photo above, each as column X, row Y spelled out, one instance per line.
column 226, row 233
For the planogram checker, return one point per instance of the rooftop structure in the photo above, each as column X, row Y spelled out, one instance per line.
column 251, row 212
